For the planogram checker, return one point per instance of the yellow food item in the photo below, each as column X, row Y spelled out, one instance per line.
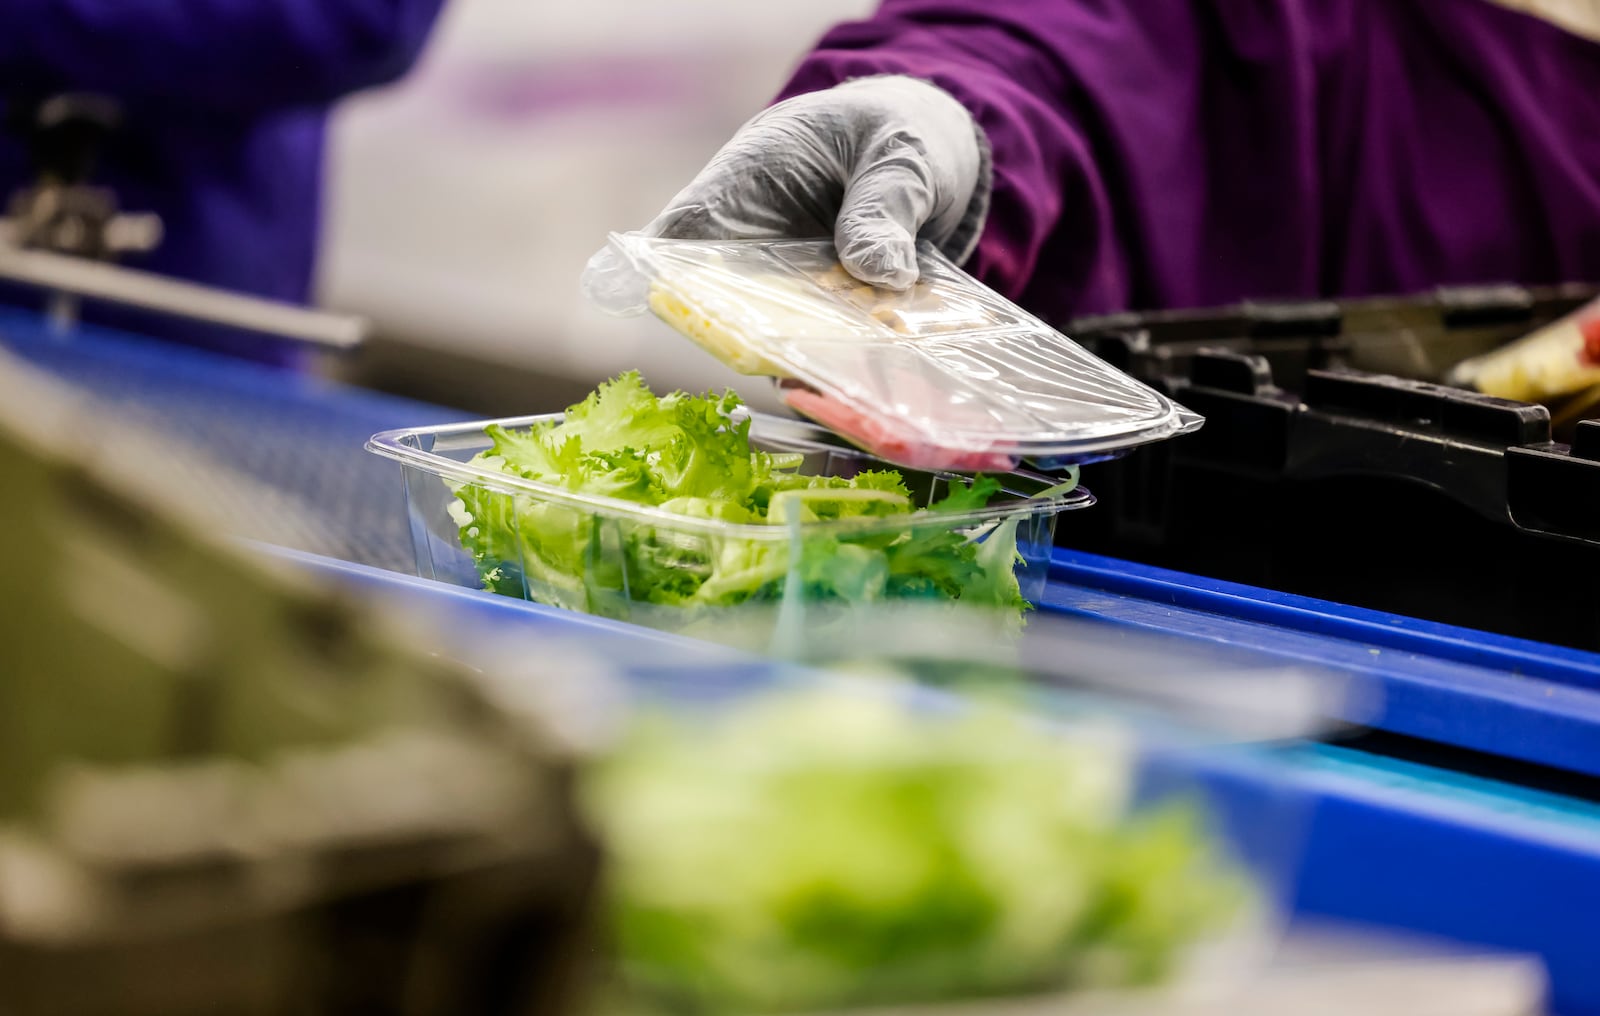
column 745, row 317
column 710, row 334
column 1545, row 365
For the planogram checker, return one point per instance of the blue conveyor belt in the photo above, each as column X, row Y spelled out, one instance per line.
column 303, row 437
column 300, row 436
column 1501, row 696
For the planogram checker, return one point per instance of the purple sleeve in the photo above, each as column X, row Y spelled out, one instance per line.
column 1172, row 153
column 227, row 56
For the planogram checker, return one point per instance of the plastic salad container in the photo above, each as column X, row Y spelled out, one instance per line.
column 840, row 836
column 948, row 375
column 623, row 560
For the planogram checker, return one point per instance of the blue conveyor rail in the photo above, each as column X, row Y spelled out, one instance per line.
column 1524, row 701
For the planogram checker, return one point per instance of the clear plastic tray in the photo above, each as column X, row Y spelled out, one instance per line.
column 828, row 768
column 948, row 375
column 612, row 534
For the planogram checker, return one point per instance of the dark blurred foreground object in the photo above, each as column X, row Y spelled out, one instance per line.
column 1335, row 462
column 225, row 790
column 62, row 232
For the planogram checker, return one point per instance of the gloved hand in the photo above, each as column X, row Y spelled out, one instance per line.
column 875, row 163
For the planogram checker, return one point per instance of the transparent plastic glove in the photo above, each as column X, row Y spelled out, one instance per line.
column 874, row 163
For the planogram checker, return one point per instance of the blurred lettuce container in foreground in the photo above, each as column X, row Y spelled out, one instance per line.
column 843, row 837
column 669, row 511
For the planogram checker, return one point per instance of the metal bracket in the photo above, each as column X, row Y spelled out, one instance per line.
column 63, row 234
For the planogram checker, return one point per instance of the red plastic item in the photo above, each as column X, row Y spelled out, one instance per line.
column 1590, row 329
column 882, row 438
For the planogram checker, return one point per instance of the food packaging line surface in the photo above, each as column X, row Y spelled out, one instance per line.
column 1490, row 839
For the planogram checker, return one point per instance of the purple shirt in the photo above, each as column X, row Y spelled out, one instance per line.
column 225, row 104
column 1182, row 153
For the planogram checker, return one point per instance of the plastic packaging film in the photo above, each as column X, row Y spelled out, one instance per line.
column 670, row 568
column 947, row 375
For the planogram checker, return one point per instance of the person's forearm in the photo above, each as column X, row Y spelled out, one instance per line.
column 224, row 56
column 1160, row 153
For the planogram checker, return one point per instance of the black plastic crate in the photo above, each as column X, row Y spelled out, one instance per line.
column 1333, row 465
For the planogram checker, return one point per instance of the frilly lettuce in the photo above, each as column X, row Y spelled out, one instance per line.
column 692, row 456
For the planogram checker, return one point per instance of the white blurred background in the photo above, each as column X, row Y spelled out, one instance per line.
column 463, row 202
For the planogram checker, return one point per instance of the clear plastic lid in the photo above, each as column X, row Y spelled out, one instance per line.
column 947, row 375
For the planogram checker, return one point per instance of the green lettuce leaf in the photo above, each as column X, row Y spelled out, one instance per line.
column 691, row 456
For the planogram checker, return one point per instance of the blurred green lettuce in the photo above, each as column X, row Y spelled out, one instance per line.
column 807, row 851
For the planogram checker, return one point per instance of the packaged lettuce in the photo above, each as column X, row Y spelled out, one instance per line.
column 667, row 501
column 814, row 851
